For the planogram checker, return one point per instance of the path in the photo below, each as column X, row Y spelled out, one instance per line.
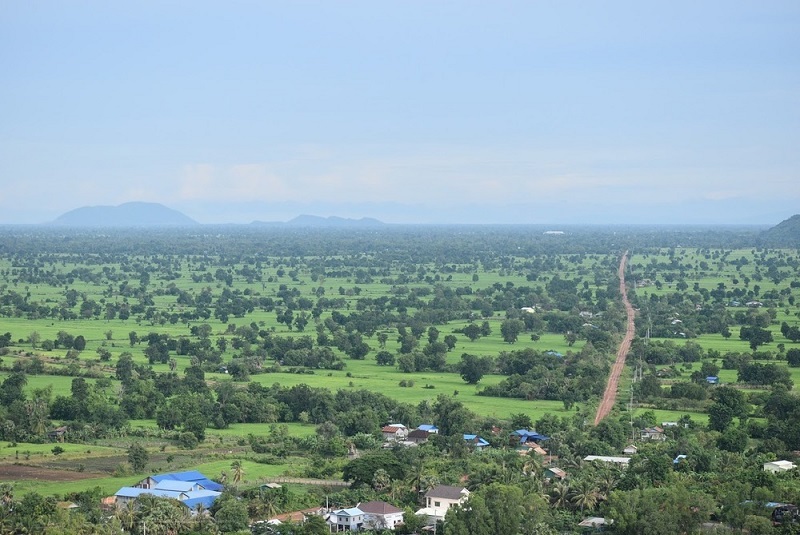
column 610, row 395
column 309, row 481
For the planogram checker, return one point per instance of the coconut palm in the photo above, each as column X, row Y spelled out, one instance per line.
column 583, row 494
column 559, row 494
column 238, row 471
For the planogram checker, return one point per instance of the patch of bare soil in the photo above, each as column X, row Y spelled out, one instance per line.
column 18, row 472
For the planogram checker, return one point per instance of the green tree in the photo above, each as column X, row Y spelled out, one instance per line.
column 138, row 457
column 510, row 329
column 472, row 368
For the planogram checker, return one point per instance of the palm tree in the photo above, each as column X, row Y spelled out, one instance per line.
column 381, row 479
column 238, row 471
column 584, row 494
column 559, row 494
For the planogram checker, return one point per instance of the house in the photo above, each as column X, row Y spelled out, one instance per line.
column 194, row 476
column 595, row 523
column 554, row 473
column 619, row 461
column 58, row 433
column 440, row 499
column 712, row 380
column 394, row 432
column 630, row 450
column 351, row 519
column 525, row 436
column 418, row 436
column 779, row 466
column 476, row 442
column 429, row 428
column 380, row 515
column 531, row 447
column 653, row 433
column 192, row 489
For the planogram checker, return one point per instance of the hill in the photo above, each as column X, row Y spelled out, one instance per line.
column 130, row 214
column 784, row 234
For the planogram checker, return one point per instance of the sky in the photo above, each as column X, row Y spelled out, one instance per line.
column 568, row 112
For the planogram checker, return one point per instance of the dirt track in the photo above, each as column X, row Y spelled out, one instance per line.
column 610, row 395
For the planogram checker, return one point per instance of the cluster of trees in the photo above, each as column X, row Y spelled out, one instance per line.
column 545, row 375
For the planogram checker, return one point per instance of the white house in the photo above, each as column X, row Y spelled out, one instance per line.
column 779, row 466
column 351, row 519
column 440, row 499
column 620, row 461
column 394, row 432
column 380, row 515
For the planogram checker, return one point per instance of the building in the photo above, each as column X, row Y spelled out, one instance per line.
column 521, row 437
column 430, row 428
column 653, row 433
column 394, row 432
column 440, row 499
column 619, row 461
column 553, row 472
column 351, row 519
column 475, row 442
column 779, row 466
column 418, row 436
column 192, row 489
column 380, row 515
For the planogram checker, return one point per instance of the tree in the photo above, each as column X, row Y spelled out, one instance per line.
column 729, row 404
column 80, row 343
column 34, row 338
column 384, row 358
column 472, row 331
column 472, row 368
column 510, row 329
column 138, row 457
column 238, row 471
column 793, row 357
column 755, row 335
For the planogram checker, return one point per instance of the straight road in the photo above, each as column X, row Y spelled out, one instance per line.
column 610, row 395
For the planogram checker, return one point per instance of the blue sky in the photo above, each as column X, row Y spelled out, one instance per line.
column 411, row 112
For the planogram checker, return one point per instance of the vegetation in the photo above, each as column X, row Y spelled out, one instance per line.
column 250, row 354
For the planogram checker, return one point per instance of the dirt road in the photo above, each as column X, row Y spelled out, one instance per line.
column 610, row 395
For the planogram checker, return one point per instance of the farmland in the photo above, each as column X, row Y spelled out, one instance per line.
column 282, row 350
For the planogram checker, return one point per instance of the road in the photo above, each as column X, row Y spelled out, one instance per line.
column 610, row 395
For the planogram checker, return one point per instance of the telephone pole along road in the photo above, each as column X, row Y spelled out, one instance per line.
column 610, row 395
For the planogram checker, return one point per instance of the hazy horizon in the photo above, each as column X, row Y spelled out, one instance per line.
column 414, row 113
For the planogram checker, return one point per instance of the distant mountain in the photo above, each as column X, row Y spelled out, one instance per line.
column 784, row 234
column 129, row 214
column 314, row 221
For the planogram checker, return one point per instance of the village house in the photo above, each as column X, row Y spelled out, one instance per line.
column 475, row 442
column 553, row 472
column 394, row 432
column 653, row 433
column 619, row 461
column 351, row 519
column 418, row 436
column 380, row 515
column 192, row 489
column 440, row 499
column 779, row 466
